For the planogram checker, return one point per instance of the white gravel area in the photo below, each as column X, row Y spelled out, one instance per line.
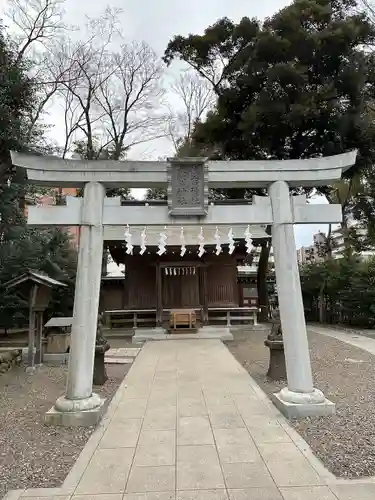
column 344, row 442
column 34, row 455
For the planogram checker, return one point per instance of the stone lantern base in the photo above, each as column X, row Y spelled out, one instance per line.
column 100, row 373
column 277, row 368
column 275, row 343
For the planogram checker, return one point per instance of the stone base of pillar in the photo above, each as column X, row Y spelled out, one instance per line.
column 301, row 405
column 76, row 413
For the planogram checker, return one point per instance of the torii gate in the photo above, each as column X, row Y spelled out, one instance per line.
column 187, row 181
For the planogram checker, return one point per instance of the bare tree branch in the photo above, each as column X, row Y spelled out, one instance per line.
column 36, row 22
column 86, row 67
column 196, row 96
column 132, row 98
column 369, row 8
column 112, row 99
column 36, row 28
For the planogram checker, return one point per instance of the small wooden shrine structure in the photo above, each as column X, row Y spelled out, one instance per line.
column 37, row 289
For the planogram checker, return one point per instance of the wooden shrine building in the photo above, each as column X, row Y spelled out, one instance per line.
column 154, row 285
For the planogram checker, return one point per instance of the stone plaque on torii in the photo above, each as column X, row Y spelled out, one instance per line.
column 188, row 181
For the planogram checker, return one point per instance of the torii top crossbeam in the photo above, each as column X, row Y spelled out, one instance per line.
column 55, row 172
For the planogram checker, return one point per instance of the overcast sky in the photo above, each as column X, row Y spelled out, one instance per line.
column 156, row 22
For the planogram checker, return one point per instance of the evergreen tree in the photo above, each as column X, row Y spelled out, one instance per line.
column 293, row 87
column 23, row 248
column 156, row 194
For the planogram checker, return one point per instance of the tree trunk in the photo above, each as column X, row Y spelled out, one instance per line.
column 321, row 304
column 59, row 196
column 345, row 232
column 262, row 281
column 105, row 261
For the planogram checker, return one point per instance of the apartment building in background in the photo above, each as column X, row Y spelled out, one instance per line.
column 271, row 259
column 315, row 252
column 308, row 255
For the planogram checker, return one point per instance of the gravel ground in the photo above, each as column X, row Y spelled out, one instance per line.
column 344, row 442
column 33, row 455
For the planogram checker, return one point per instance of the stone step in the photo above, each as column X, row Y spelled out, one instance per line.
column 122, row 352
column 207, row 332
column 118, row 361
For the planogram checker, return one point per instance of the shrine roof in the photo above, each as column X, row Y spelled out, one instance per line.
column 59, row 322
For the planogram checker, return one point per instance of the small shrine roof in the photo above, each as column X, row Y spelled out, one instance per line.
column 35, row 276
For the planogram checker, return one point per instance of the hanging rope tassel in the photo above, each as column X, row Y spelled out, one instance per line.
column 128, row 239
column 143, row 241
column 231, row 242
column 183, row 245
column 201, row 249
column 248, row 240
column 218, row 242
column 162, row 242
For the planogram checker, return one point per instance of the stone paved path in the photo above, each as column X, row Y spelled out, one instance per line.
column 188, row 423
column 355, row 339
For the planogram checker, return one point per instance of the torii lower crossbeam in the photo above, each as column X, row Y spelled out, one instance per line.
column 258, row 212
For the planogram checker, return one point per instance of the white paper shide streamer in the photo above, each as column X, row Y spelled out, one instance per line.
column 248, row 240
column 201, row 249
column 231, row 242
column 143, row 241
column 128, row 239
column 162, row 242
column 183, row 244
column 218, row 242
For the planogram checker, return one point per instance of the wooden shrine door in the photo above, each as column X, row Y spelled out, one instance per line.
column 180, row 287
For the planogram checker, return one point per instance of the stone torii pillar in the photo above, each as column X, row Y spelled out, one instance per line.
column 80, row 403
column 300, row 398
column 188, row 180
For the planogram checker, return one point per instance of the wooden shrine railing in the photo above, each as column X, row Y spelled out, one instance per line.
column 129, row 318
column 135, row 318
column 233, row 314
